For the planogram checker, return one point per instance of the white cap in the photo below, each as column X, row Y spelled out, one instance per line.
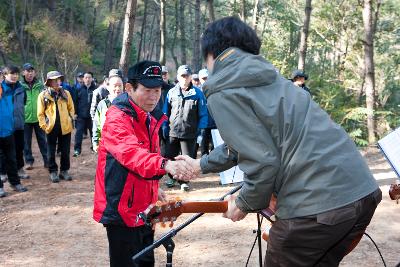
column 203, row 73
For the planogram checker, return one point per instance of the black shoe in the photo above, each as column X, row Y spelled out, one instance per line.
column 2, row 192
column 76, row 153
column 29, row 166
column 22, row 174
column 54, row 177
column 19, row 188
column 64, row 175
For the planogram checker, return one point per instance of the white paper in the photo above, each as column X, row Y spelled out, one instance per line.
column 390, row 146
column 234, row 174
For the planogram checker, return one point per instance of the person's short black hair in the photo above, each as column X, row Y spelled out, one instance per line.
column 10, row 69
column 89, row 72
column 229, row 32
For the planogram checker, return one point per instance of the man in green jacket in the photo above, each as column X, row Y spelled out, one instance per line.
column 32, row 87
column 287, row 146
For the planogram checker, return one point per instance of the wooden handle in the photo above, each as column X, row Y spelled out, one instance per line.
column 204, row 206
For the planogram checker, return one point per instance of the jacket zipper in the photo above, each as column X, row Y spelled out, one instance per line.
column 130, row 199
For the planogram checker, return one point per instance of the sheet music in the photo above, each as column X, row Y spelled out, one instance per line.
column 390, row 146
column 234, row 174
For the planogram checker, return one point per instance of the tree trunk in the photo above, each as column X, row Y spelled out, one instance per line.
column 172, row 47
column 142, row 31
column 304, row 36
column 109, row 39
column 85, row 19
column 18, row 34
column 3, row 57
column 163, row 32
column 369, row 28
column 210, row 4
column 255, row 15
column 128, row 32
column 243, row 11
column 93, row 30
column 196, row 64
column 182, row 31
column 117, row 34
column 151, row 39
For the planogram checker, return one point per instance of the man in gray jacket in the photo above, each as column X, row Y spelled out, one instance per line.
column 287, row 146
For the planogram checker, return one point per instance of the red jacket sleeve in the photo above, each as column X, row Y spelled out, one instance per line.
column 119, row 139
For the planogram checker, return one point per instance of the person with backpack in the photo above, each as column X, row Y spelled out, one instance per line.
column 55, row 114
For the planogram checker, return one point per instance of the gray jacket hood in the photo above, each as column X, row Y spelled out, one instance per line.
column 255, row 71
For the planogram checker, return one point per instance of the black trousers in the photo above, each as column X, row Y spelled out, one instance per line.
column 41, row 140
column 322, row 239
column 206, row 142
column 177, row 145
column 81, row 125
column 184, row 146
column 64, row 143
column 9, row 162
column 124, row 242
column 19, row 139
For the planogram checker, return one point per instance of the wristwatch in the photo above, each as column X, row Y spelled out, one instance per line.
column 163, row 163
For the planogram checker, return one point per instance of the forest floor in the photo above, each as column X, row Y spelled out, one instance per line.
column 52, row 225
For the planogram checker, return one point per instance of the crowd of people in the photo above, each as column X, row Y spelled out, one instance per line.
column 54, row 109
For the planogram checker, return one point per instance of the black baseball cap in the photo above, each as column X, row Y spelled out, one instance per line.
column 79, row 74
column 147, row 73
column 28, row 66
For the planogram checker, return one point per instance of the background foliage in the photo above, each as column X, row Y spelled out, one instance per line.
column 72, row 35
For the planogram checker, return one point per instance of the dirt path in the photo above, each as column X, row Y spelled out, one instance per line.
column 51, row 225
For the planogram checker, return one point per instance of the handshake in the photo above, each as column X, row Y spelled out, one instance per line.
column 183, row 168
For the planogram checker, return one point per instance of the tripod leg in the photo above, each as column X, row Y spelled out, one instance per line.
column 169, row 247
column 259, row 239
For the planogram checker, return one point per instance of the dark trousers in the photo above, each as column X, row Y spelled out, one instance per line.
column 2, row 163
column 9, row 163
column 19, row 147
column 206, row 141
column 177, row 145
column 184, row 146
column 125, row 242
column 40, row 138
column 64, row 143
column 81, row 125
column 322, row 239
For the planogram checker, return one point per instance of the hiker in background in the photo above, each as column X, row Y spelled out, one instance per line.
column 3, row 174
column 33, row 87
column 196, row 80
column 83, row 121
column 102, row 91
column 115, row 87
column 11, row 117
column 56, row 114
column 186, row 109
column 299, row 78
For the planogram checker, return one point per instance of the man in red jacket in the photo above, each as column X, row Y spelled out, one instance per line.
column 130, row 165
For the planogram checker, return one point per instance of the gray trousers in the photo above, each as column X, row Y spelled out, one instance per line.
column 322, row 239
